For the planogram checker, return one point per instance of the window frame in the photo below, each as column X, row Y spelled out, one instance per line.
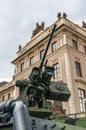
column 3, row 98
column 85, row 49
column 74, row 44
column 22, row 66
column 78, row 68
column 9, row 95
column 32, row 60
column 54, row 46
column 56, row 71
column 42, row 54
column 81, row 94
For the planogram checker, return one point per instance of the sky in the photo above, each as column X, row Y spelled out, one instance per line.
column 18, row 19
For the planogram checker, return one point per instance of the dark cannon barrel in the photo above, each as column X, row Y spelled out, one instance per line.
column 42, row 62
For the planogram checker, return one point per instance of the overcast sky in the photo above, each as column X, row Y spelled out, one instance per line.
column 19, row 17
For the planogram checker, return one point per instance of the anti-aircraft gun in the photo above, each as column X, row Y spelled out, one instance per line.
column 39, row 86
column 34, row 93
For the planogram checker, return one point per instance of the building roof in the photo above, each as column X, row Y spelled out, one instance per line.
column 3, row 83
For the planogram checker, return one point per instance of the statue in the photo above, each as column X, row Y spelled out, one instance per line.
column 64, row 15
column 20, row 47
column 83, row 24
column 38, row 28
column 59, row 15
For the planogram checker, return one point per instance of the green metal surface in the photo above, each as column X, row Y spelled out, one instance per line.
column 51, row 124
column 81, row 122
column 77, row 122
column 59, row 125
column 40, row 113
column 59, row 91
column 70, row 127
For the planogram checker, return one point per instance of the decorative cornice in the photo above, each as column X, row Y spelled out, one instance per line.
column 81, row 81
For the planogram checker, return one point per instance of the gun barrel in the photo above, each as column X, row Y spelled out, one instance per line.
column 21, row 118
column 42, row 62
column 2, row 106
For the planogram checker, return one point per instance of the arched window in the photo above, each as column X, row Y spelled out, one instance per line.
column 3, row 98
column 8, row 95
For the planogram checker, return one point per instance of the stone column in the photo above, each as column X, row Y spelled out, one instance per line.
column 16, row 92
column 64, row 38
column 69, row 82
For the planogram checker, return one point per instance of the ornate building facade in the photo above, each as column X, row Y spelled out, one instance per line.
column 67, row 53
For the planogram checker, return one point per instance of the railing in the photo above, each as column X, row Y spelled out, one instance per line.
column 73, row 115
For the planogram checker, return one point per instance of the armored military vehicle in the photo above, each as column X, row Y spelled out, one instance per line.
column 32, row 110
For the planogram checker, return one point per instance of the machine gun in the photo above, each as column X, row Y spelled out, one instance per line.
column 39, row 80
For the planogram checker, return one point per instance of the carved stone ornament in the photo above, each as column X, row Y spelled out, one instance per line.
column 64, row 15
column 83, row 24
column 59, row 15
column 20, row 47
column 38, row 28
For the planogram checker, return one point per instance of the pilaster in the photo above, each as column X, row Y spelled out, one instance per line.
column 69, row 82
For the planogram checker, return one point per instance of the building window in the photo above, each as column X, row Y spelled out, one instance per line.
column 81, row 94
column 31, row 60
column 78, row 69
column 56, row 71
column 41, row 54
column 74, row 44
column 8, row 95
column 22, row 66
column 54, row 46
column 85, row 49
column 3, row 98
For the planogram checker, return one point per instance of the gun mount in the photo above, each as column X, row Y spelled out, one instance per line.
column 39, row 87
column 14, row 115
column 34, row 92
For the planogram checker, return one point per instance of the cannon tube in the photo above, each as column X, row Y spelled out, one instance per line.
column 21, row 119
